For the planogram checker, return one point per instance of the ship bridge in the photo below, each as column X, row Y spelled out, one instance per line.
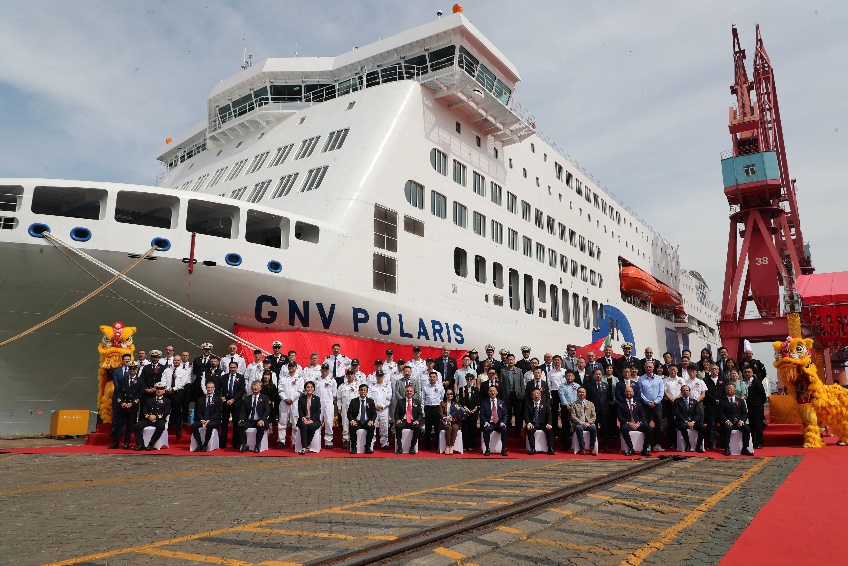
column 449, row 55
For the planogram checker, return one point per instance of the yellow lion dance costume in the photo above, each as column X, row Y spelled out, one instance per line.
column 117, row 341
column 818, row 404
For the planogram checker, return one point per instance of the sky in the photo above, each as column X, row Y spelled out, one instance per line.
column 636, row 92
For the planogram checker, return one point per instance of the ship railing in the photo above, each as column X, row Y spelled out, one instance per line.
column 726, row 154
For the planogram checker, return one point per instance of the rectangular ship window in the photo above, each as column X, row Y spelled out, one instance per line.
column 212, row 218
column 385, row 273
column 267, row 229
column 314, row 178
column 284, row 186
column 385, row 228
column 71, row 202
column 146, row 209
column 413, row 226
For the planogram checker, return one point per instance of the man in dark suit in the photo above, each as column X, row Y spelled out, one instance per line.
column 627, row 380
column 446, row 365
column 469, row 397
column 756, row 365
column 255, row 411
column 524, row 363
column 607, row 360
column 511, row 379
column 537, row 383
column 151, row 374
column 207, row 416
column 688, row 416
column 279, row 360
column 569, row 361
column 599, row 393
column 408, row 415
column 733, row 414
column 756, row 401
column 627, row 360
column 493, row 416
column 649, row 357
column 155, row 413
column 537, row 416
column 592, row 364
column 126, row 397
column 232, row 392
column 712, row 399
column 632, row 418
column 361, row 413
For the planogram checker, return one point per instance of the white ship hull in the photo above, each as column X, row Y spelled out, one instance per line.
column 325, row 241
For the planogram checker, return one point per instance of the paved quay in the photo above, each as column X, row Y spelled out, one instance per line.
column 124, row 509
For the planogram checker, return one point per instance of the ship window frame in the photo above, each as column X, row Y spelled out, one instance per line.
column 439, row 161
column 147, row 205
column 514, row 292
column 512, row 239
column 460, row 214
column 478, row 182
column 285, row 185
column 497, row 232
column 511, row 202
column 314, row 178
column 496, row 193
column 460, row 173
column 478, row 223
column 438, row 205
column 497, row 275
column 529, row 294
column 384, row 270
column 201, row 216
column 385, row 228
column 267, row 229
column 460, row 262
column 414, row 193
column 413, row 226
column 554, row 294
column 87, row 203
column 479, row 269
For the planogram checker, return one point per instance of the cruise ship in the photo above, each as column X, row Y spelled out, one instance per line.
column 396, row 192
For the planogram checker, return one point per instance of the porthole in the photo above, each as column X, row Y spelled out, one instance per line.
column 80, row 234
column 37, row 230
column 233, row 259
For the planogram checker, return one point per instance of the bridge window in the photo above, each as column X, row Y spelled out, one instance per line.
column 286, row 93
column 441, row 58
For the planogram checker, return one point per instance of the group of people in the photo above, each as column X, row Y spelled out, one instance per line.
column 606, row 397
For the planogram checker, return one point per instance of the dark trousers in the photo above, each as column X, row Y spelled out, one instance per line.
column 555, row 410
column 604, row 427
column 644, row 428
column 565, row 432
column 369, row 435
column 122, row 424
column 241, row 432
column 416, row 434
column 192, row 392
column 488, row 429
column 668, row 411
column 756, row 416
column 307, row 431
column 655, row 415
column 711, row 415
column 549, row 436
column 746, row 434
column 593, row 434
column 469, row 431
column 431, row 424
column 684, row 428
column 177, row 400
column 226, row 411
column 195, row 431
column 515, row 409
column 159, row 425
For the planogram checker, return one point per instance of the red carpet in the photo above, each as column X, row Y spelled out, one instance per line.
column 801, row 522
column 781, row 440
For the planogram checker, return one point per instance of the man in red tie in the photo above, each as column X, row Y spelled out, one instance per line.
column 688, row 416
column 493, row 419
column 408, row 415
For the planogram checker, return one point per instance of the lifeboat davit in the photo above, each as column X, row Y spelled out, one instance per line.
column 639, row 283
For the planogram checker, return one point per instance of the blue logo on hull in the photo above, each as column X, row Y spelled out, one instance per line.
column 614, row 318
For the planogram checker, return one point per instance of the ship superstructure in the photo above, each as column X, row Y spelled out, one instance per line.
column 395, row 192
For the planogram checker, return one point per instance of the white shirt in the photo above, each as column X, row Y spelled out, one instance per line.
column 344, row 394
column 253, row 372
column 341, row 362
column 325, row 389
column 696, row 387
column 672, row 386
column 311, row 373
column 432, row 394
column 291, row 387
column 225, row 362
column 382, row 394
column 419, row 371
column 181, row 379
column 556, row 378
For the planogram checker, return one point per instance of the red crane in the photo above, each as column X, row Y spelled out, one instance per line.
column 763, row 211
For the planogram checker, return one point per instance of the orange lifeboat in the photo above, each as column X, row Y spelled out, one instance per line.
column 639, row 283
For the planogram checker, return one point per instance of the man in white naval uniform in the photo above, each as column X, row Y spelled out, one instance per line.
column 177, row 380
column 253, row 372
column 293, row 358
column 390, row 366
column 338, row 364
column 382, row 394
column 419, row 370
column 313, row 370
column 372, row 377
column 346, row 392
column 360, row 377
column 234, row 356
column 325, row 389
column 290, row 386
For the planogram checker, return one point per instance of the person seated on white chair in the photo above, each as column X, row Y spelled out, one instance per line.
column 155, row 413
column 361, row 413
column 688, row 416
column 208, row 409
column 537, row 416
column 255, row 410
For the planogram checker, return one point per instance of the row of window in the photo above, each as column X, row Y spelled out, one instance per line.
column 414, row 193
column 334, row 141
column 313, row 179
column 562, row 305
column 162, row 211
column 438, row 159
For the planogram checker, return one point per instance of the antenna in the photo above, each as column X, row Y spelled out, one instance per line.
column 247, row 60
column 439, row 14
